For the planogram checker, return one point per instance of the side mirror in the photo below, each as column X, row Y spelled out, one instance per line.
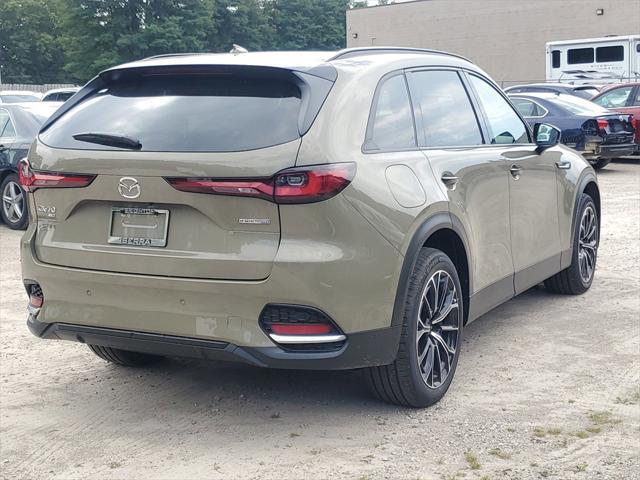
column 546, row 135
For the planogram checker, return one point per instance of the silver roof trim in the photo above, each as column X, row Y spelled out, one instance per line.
column 357, row 51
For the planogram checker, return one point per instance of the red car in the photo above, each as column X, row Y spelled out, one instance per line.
column 623, row 98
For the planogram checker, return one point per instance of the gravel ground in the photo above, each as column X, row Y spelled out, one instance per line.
column 547, row 386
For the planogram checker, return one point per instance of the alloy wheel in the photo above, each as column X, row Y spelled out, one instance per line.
column 13, row 204
column 438, row 329
column 588, row 243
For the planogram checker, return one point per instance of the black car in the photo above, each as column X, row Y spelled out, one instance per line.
column 582, row 91
column 599, row 134
column 19, row 125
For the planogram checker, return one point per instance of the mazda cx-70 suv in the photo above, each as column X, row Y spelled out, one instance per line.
column 309, row 210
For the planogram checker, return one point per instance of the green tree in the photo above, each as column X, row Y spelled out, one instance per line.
column 308, row 24
column 30, row 49
column 100, row 33
column 243, row 22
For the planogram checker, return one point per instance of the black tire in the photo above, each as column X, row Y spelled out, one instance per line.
column 14, row 222
column 601, row 163
column 570, row 281
column 124, row 358
column 402, row 383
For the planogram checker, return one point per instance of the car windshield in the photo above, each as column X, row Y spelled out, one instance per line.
column 578, row 106
column 19, row 98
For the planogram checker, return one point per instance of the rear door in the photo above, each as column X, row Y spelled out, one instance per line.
column 197, row 128
column 471, row 174
column 533, row 208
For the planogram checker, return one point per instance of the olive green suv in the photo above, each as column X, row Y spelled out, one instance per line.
column 310, row 210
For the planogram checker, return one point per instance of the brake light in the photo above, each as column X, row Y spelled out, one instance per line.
column 294, row 185
column 32, row 180
column 603, row 123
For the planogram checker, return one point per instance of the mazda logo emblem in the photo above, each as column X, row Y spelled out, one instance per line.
column 129, row 187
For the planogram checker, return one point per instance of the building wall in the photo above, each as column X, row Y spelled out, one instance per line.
column 505, row 37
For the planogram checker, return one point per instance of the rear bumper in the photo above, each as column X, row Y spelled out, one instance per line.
column 610, row 151
column 363, row 349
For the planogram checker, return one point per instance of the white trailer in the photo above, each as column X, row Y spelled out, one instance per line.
column 594, row 60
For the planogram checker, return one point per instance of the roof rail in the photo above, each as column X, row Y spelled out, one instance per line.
column 164, row 55
column 357, row 51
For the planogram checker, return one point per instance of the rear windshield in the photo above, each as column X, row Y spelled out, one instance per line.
column 19, row 98
column 579, row 106
column 186, row 113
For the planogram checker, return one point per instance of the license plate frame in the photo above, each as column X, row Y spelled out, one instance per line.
column 126, row 233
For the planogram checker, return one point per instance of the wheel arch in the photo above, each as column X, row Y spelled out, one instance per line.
column 589, row 185
column 445, row 232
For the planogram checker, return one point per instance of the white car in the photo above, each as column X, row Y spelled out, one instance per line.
column 59, row 94
column 19, row 96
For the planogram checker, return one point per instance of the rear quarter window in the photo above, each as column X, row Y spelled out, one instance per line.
column 186, row 113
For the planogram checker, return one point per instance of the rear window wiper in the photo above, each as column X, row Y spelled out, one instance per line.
column 109, row 139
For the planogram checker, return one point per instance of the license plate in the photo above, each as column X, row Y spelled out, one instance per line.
column 138, row 227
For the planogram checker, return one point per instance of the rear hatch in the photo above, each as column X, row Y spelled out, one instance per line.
column 616, row 128
column 137, row 133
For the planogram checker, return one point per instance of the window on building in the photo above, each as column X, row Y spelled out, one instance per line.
column 391, row 126
column 610, row 54
column 446, row 115
column 579, row 55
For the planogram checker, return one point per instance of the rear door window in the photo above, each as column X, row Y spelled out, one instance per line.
column 391, row 122
column 186, row 113
column 445, row 117
column 527, row 108
column 616, row 98
column 504, row 123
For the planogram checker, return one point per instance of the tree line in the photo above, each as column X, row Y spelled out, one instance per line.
column 59, row 41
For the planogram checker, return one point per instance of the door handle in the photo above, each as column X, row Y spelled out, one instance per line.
column 515, row 171
column 565, row 165
column 449, row 179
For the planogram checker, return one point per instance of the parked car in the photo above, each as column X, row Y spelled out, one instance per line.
column 348, row 234
column 599, row 134
column 19, row 125
column 18, row 96
column 582, row 91
column 59, row 94
column 623, row 98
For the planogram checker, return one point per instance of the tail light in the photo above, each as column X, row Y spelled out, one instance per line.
column 36, row 298
column 32, row 180
column 603, row 123
column 294, row 185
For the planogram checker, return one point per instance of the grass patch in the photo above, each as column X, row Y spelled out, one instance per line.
column 497, row 452
column 539, row 432
column 602, row 418
column 593, row 429
column 580, row 434
column 554, row 431
column 581, row 467
column 472, row 460
column 633, row 399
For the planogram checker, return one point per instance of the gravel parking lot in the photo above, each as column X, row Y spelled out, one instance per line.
column 548, row 386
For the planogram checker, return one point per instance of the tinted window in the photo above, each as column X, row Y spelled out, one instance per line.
column 578, row 106
column 579, row 55
column 555, row 59
column 636, row 102
column 615, row 98
column 391, row 126
column 610, row 54
column 527, row 108
column 505, row 125
column 446, row 114
column 193, row 113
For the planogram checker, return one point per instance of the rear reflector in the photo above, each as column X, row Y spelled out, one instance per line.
column 301, row 326
column 300, row 329
column 32, row 180
column 294, row 185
